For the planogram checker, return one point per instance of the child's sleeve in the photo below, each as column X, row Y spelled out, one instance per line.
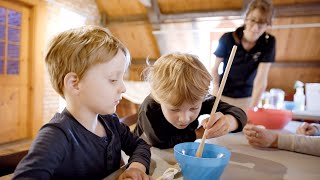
column 44, row 156
column 161, row 134
column 135, row 147
column 226, row 108
column 236, row 112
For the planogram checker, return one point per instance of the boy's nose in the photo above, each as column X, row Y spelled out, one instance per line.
column 123, row 88
column 184, row 118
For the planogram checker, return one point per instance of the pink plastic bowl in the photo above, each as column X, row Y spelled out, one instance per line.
column 269, row 118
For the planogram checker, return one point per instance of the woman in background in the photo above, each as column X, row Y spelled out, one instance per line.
column 248, row 76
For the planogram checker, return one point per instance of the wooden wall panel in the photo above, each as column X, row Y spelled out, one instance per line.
column 138, row 38
column 135, row 72
column 285, row 77
column 297, row 44
column 13, row 114
column 116, row 8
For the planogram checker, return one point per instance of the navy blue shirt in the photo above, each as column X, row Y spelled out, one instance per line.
column 64, row 149
column 245, row 63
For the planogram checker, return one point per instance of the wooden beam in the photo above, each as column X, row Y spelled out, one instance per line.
column 156, row 17
column 305, row 9
column 28, row 2
column 123, row 19
column 37, row 44
column 154, row 14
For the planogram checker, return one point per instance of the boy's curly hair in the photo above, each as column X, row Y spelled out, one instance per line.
column 175, row 78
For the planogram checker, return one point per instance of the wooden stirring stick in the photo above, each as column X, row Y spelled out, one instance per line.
column 216, row 102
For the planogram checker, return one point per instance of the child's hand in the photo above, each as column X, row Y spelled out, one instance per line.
column 135, row 171
column 260, row 137
column 307, row 129
column 219, row 125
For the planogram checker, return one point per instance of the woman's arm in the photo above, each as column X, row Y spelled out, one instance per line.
column 260, row 83
column 300, row 143
column 215, row 75
column 261, row 137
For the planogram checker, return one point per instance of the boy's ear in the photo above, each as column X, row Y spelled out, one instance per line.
column 71, row 83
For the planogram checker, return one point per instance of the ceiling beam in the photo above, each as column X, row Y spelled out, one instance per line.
column 155, row 17
column 124, row 19
column 305, row 9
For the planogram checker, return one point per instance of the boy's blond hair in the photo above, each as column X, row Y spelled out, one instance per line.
column 176, row 78
column 76, row 50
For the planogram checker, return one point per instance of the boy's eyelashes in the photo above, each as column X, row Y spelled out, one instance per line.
column 176, row 110
column 113, row 80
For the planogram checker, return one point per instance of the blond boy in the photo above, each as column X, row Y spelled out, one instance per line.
column 86, row 66
column 179, row 95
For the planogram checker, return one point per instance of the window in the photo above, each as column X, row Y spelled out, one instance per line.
column 10, row 31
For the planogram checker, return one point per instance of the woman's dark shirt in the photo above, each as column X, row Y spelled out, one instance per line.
column 245, row 63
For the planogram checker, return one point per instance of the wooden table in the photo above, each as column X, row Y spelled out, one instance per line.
column 248, row 162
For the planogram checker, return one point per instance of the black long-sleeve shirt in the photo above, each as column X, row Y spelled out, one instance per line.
column 160, row 133
column 65, row 149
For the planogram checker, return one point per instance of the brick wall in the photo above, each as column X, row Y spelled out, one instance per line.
column 81, row 12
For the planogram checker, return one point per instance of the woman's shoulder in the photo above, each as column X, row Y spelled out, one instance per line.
column 227, row 36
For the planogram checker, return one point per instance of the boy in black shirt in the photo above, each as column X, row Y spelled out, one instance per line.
column 179, row 95
column 86, row 67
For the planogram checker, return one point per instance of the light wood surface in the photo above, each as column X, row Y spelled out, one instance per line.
column 247, row 162
column 138, row 38
column 121, row 8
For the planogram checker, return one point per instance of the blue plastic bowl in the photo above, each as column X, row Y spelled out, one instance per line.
column 212, row 164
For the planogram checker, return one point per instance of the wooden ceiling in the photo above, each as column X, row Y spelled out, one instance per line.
column 133, row 22
column 118, row 8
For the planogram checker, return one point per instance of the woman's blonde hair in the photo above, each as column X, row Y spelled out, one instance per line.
column 175, row 78
column 76, row 50
column 265, row 6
